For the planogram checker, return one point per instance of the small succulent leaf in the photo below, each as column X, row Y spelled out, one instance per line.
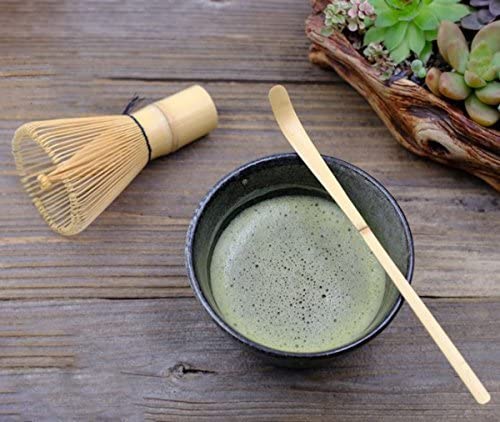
column 494, row 7
column 482, row 53
column 490, row 94
column 326, row 32
column 426, row 52
column 489, row 34
column 426, row 20
column 431, row 35
column 479, row 3
column 368, row 22
column 374, row 34
column 386, row 19
column 405, row 9
column 478, row 68
column 491, row 70
column 495, row 62
column 481, row 113
column 471, row 22
column 480, row 61
column 379, row 5
column 416, row 38
column 484, row 16
column 394, row 35
column 473, row 80
column 432, row 80
column 458, row 55
column 453, row 86
column 409, row 15
column 489, row 74
column 421, row 73
column 449, row 12
column 401, row 52
column 416, row 65
column 449, row 33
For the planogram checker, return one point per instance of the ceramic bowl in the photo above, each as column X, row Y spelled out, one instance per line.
column 281, row 174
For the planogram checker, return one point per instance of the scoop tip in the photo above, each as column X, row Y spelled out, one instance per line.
column 277, row 89
column 484, row 398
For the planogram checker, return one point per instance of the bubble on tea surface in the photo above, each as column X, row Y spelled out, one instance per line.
column 286, row 273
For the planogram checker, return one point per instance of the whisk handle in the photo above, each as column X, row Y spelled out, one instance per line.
column 175, row 121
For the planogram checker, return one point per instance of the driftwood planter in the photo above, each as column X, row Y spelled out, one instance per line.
column 423, row 123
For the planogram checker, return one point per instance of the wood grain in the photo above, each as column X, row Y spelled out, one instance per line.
column 157, row 40
column 68, row 353
column 164, row 359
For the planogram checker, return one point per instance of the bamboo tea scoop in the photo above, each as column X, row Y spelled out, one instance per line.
column 296, row 135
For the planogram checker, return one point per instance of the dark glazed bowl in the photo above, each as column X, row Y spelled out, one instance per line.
column 286, row 174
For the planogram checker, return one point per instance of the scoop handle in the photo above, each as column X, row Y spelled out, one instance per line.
column 296, row 135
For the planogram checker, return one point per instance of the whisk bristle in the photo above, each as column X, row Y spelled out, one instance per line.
column 74, row 168
column 44, row 180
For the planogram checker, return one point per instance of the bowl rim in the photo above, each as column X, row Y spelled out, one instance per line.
column 195, row 285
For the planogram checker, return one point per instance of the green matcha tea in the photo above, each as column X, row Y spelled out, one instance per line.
column 293, row 274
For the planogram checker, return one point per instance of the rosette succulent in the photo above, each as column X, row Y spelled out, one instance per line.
column 485, row 11
column 378, row 56
column 406, row 26
column 476, row 73
column 355, row 15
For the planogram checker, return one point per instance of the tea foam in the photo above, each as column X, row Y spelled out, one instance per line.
column 293, row 274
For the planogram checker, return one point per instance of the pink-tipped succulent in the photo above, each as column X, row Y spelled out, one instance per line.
column 355, row 15
column 476, row 72
column 360, row 11
column 379, row 57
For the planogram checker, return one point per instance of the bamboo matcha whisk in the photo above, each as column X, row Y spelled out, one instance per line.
column 74, row 168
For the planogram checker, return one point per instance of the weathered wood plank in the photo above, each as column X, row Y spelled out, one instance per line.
column 135, row 249
column 158, row 39
column 165, row 359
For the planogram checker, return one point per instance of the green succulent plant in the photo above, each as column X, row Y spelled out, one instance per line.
column 406, row 26
column 476, row 72
column 418, row 68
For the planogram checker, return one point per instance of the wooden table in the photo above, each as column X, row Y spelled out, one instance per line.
column 104, row 326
